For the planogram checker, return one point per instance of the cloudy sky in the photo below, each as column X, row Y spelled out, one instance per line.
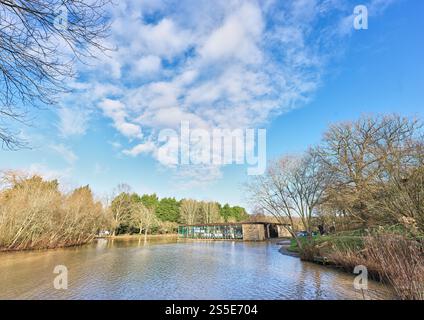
column 291, row 67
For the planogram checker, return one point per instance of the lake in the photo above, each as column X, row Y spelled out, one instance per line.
column 118, row 269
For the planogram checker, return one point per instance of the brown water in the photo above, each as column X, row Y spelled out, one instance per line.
column 174, row 270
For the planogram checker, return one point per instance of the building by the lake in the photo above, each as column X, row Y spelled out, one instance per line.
column 248, row 231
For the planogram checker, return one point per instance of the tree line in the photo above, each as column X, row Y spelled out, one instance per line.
column 131, row 213
column 35, row 213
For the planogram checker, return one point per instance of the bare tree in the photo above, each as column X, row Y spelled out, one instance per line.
column 40, row 40
column 120, row 208
column 402, row 201
column 189, row 211
column 143, row 217
column 291, row 189
column 210, row 212
column 365, row 155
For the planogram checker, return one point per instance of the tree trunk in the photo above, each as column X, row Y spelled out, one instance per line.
column 145, row 235
column 299, row 243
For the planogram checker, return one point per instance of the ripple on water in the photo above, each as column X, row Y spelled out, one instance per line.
column 176, row 270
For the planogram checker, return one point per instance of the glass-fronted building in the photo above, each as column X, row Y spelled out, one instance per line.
column 250, row 231
column 217, row 231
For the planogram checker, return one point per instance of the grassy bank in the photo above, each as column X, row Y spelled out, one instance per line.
column 390, row 257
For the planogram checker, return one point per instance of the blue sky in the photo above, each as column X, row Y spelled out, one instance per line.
column 289, row 67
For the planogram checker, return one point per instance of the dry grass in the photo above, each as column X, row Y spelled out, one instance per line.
column 392, row 258
column 34, row 214
column 401, row 262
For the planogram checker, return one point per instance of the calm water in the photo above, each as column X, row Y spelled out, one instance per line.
column 174, row 270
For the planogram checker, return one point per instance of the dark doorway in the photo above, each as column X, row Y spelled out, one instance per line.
column 273, row 231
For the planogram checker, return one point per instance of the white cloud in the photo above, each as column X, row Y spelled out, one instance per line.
column 148, row 65
column 141, row 148
column 237, row 37
column 226, row 63
column 72, row 122
column 164, row 39
column 117, row 112
column 377, row 7
column 65, row 152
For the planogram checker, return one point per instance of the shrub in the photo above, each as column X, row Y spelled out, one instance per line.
column 34, row 214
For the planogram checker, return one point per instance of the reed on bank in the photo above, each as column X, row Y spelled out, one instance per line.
column 393, row 258
column 396, row 260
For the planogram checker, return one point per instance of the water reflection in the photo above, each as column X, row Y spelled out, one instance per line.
column 134, row 269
